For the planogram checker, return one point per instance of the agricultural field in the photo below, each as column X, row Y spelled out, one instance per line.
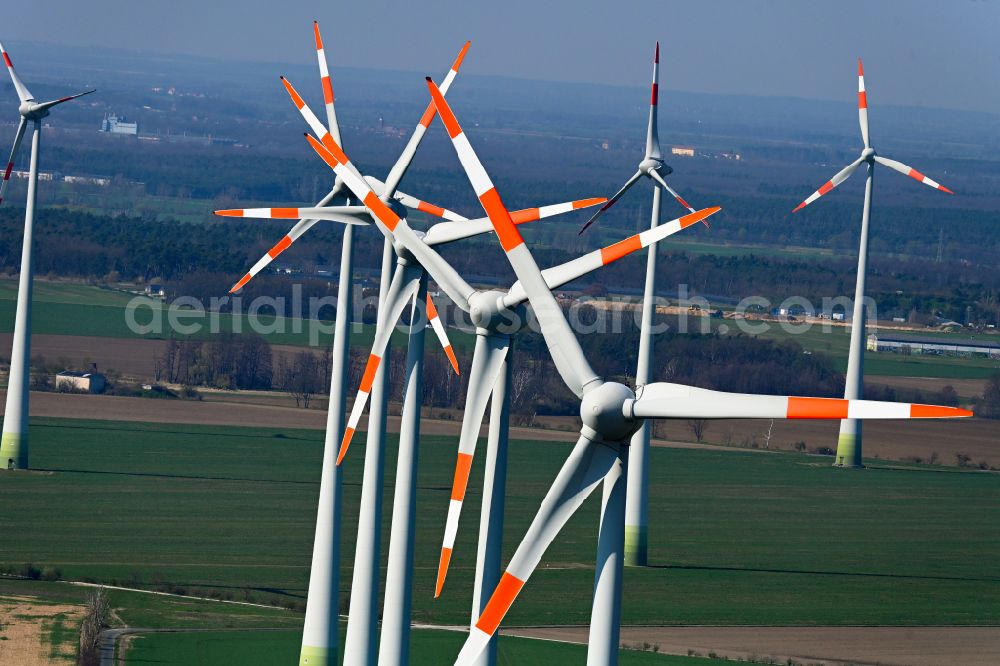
column 282, row 647
column 740, row 537
column 77, row 310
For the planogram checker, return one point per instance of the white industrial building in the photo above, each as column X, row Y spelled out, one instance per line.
column 113, row 124
column 88, row 382
column 912, row 344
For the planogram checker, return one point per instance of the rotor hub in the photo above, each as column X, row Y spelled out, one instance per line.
column 603, row 411
column 868, row 154
column 32, row 111
column 487, row 312
column 652, row 164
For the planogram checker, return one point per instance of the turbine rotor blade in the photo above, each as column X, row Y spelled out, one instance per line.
column 557, row 276
column 665, row 400
column 841, row 176
column 405, row 282
column 652, row 135
column 353, row 215
column 863, row 105
column 583, row 471
column 22, row 90
column 395, row 228
column 533, row 214
column 300, row 228
column 62, row 100
column 318, row 128
column 406, row 157
column 22, row 126
column 611, row 202
column 414, row 203
column 446, row 232
column 658, row 179
column 487, row 363
column 912, row 173
column 442, row 334
column 565, row 349
column 324, row 75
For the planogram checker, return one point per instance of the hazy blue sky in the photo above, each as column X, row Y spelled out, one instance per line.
column 942, row 53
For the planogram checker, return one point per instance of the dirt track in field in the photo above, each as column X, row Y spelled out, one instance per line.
column 887, row 440
column 829, row 646
column 210, row 412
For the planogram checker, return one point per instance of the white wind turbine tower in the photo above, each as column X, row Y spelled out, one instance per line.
column 849, row 442
column 611, row 413
column 637, row 500
column 14, row 441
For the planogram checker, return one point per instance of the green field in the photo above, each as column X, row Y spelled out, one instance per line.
column 76, row 309
column 427, row 647
column 739, row 537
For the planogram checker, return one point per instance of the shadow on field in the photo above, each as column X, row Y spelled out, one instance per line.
column 182, row 476
column 803, row 572
column 241, row 435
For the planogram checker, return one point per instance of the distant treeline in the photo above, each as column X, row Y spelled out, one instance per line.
column 204, row 260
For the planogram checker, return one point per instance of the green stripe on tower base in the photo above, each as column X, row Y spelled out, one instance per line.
column 314, row 656
column 636, row 545
column 14, row 450
column 848, row 451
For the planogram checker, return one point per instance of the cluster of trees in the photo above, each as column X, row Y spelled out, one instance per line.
column 989, row 405
column 204, row 260
column 226, row 360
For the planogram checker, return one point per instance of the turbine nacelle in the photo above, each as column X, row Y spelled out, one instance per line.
column 489, row 315
column 32, row 110
column 605, row 410
column 655, row 164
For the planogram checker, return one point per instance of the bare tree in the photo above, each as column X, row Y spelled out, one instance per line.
column 302, row 378
column 95, row 619
column 523, row 392
column 767, row 437
column 698, row 428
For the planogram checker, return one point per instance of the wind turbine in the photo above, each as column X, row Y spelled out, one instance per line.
column 849, row 442
column 14, row 441
column 405, row 283
column 321, row 628
column 637, row 501
column 396, row 228
column 611, row 412
column 652, row 165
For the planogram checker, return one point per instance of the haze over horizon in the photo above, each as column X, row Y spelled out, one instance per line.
column 919, row 53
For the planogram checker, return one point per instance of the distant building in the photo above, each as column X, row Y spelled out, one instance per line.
column 112, row 124
column 103, row 181
column 683, row 151
column 88, row 382
column 912, row 344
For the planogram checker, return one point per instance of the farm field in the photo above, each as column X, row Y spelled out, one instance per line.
column 741, row 537
column 282, row 647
